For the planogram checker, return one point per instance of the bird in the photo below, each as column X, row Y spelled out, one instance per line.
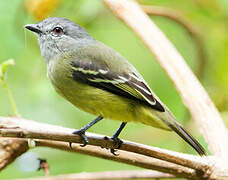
column 98, row 80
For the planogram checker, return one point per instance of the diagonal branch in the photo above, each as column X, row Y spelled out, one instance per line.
column 191, row 30
column 193, row 95
column 142, row 174
column 15, row 127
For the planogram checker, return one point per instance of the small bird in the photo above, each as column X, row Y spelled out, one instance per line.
column 98, row 80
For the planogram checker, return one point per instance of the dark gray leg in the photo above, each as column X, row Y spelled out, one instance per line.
column 118, row 131
column 81, row 132
column 116, row 139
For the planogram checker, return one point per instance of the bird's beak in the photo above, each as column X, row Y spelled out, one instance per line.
column 33, row 28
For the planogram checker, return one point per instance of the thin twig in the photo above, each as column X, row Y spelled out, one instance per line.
column 194, row 96
column 191, row 30
column 3, row 72
column 140, row 174
column 44, row 166
column 18, row 127
column 12, row 102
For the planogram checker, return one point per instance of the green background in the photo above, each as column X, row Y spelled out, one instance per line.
column 37, row 100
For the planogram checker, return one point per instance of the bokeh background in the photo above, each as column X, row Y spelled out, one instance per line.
column 37, row 100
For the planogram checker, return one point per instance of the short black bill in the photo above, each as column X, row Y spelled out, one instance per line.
column 33, row 28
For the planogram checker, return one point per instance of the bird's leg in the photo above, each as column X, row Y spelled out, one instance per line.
column 81, row 132
column 116, row 139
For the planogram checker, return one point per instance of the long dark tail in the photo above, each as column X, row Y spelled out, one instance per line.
column 188, row 138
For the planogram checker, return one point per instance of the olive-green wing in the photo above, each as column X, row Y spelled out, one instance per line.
column 126, row 84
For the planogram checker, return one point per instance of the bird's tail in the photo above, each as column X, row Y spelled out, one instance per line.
column 170, row 121
column 166, row 120
column 188, row 138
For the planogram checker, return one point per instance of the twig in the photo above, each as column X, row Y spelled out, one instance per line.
column 14, row 127
column 44, row 165
column 12, row 102
column 194, row 96
column 143, row 174
column 3, row 72
column 191, row 30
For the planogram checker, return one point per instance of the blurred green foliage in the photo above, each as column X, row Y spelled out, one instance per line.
column 37, row 100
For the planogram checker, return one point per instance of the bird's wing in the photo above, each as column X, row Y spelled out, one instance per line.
column 126, row 84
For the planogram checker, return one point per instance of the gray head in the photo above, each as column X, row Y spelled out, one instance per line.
column 58, row 35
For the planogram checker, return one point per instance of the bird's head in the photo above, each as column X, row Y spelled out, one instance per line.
column 58, row 35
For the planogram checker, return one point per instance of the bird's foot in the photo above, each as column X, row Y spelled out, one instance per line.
column 81, row 133
column 117, row 143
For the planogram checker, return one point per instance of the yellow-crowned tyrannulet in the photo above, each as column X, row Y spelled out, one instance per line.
column 97, row 79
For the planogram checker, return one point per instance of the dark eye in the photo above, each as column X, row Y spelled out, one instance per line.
column 58, row 30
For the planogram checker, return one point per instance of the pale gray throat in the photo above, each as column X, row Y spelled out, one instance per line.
column 52, row 48
column 48, row 49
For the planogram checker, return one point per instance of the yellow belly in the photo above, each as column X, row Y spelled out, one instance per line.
column 100, row 102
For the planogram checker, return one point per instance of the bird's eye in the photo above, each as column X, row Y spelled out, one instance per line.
column 58, row 30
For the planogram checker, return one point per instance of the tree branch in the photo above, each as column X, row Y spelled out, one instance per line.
column 124, row 157
column 142, row 174
column 191, row 30
column 10, row 149
column 14, row 127
column 193, row 95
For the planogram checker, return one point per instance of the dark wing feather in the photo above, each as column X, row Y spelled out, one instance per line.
column 125, row 85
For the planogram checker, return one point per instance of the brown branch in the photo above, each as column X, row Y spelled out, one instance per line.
column 14, row 127
column 191, row 30
column 194, row 96
column 10, row 149
column 142, row 174
column 124, row 157
column 219, row 172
